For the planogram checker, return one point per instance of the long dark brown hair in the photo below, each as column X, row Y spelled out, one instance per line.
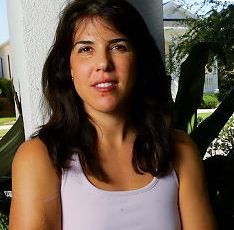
column 69, row 130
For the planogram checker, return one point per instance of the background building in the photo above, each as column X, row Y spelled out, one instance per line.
column 5, row 64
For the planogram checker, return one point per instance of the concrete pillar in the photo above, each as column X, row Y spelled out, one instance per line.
column 32, row 24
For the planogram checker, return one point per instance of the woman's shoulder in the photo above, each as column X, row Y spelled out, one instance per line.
column 33, row 153
column 180, row 137
column 32, row 163
column 187, row 154
column 193, row 197
column 35, row 188
column 34, row 145
column 183, row 143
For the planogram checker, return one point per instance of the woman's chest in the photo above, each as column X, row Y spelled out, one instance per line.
column 154, row 206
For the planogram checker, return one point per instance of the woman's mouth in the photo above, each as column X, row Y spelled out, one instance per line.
column 105, row 86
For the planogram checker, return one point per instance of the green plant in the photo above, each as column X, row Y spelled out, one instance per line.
column 3, row 222
column 224, row 143
column 189, row 97
column 8, row 146
column 1, row 105
column 226, row 84
column 209, row 101
column 219, row 169
column 7, row 98
column 6, row 87
column 214, row 26
column 202, row 116
column 191, row 83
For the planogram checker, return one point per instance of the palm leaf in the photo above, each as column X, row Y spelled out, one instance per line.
column 191, row 82
column 8, row 146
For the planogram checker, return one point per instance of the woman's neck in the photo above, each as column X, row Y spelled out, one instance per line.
column 114, row 129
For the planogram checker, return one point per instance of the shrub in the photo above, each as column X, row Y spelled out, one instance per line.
column 210, row 101
column 224, row 141
column 7, row 103
column 6, row 89
column 3, row 222
column 226, row 84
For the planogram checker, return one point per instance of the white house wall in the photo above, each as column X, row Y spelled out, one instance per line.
column 5, row 63
column 32, row 25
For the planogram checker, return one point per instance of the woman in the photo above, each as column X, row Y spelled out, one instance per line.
column 108, row 157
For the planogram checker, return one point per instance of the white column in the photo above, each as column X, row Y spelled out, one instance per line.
column 32, row 24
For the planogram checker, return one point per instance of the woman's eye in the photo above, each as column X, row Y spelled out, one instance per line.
column 119, row 47
column 85, row 49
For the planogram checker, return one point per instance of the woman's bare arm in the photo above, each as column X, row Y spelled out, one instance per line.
column 35, row 189
column 195, row 209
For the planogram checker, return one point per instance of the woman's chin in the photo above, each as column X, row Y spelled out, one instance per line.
column 102, row 108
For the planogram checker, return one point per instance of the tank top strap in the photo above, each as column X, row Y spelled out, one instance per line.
column 74, row 172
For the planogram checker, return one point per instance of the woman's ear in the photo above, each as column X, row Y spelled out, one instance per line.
column 72, row 76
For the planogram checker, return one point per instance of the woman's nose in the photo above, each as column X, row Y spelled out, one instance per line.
column 104, row 61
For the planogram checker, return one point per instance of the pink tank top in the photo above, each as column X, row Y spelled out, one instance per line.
column 86, row 207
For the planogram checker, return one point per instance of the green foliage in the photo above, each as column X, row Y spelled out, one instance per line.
column 202, row 116
column 6, row 87
column 215, row 26
column 190, row 94
column 219, row 169
column 225, row 140
column 8, row 146
column 200, row 6
column 1, row 105
column 171, row 64
column 3, row 222
column 191, row 82
column 209, row 101
column 7, row 98
column 226, row 84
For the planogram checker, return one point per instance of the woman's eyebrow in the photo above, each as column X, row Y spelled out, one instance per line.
column 116, row 40
column 87, row 42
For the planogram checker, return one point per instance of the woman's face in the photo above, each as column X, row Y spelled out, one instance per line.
column 102, row 65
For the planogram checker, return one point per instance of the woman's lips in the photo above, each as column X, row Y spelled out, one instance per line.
column 105, row 86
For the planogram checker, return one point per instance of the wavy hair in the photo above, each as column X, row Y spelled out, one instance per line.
column 69, row 130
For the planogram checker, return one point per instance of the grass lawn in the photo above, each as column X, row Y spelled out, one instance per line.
column 204, row 115
column 7, row 121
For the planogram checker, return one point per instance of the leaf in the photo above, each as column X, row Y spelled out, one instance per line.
column 209, row 129
column 9, row 145
column 191, row 82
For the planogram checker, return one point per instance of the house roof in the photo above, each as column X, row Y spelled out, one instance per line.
column 175, row 12
column 4, row 44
